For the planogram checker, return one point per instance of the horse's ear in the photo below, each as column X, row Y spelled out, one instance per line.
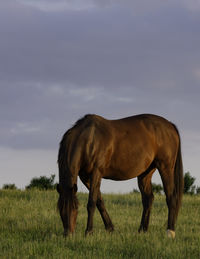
column 75, row 188
column 58, row 188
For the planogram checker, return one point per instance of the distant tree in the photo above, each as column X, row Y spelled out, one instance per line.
column 198, row 190
column 42, row 182
column 157, row 188
column 189, row 186
column 10, row 186
column 135, row 191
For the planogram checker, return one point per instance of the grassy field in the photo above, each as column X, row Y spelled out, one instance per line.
column 30, row 227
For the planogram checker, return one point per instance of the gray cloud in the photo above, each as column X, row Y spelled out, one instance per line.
column 105, row 47
column 138, row 6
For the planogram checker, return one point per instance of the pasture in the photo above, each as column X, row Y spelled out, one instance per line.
column 30, row 227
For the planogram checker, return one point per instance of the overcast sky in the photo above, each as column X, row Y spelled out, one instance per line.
column 61, row 59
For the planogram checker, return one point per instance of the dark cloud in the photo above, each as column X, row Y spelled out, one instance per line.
column 109, row 47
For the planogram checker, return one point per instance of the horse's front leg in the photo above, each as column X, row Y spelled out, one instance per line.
column 95, row 183
column 104, row 214
column 100, row 206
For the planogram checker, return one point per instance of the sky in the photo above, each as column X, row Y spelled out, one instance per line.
column 62, row 59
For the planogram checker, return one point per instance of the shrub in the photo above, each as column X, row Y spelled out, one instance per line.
column 198, row 190
column 157, row 188
column 42, row 182
column 10, row 186
column 189, row 186
column 136, row 191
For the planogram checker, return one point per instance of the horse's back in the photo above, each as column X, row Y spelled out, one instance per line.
column 142, row 130
column 148, row 125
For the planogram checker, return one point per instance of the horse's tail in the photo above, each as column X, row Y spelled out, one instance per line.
column 178, row 176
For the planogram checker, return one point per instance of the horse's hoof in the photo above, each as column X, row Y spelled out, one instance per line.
column 170, row 233
column 67, row 233
column 88, row 232
column 142, row 230
column 110, row 229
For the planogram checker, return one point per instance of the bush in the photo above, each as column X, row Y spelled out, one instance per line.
column 157, row 188
column 43, row 183
column 136, row 191
column 10, row 186
column 189, row 186
column 198, row 190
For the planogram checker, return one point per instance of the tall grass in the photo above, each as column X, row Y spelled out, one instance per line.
column 30, row 227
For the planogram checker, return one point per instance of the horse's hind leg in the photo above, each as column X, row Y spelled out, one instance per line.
column 168, row 183
column 100, row 206
column 144, row 183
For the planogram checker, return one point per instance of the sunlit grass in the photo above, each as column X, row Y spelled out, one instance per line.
column 30, row 227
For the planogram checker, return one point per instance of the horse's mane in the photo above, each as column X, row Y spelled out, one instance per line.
column 63, row 150
column 77, row 124
column 81, row 120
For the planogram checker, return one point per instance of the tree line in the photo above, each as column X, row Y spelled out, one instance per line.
column 42, row 183
column 48, row 183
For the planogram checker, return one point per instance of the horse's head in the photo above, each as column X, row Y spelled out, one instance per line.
column 68, row 207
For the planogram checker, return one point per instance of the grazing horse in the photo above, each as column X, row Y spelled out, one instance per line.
column 96, row 148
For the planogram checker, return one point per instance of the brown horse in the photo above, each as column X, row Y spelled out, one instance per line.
column 96, row 148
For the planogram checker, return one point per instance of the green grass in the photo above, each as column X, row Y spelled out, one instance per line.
column 30, row 227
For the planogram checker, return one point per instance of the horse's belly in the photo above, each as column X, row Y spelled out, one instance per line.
column 127, row 167
column 119, row 175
